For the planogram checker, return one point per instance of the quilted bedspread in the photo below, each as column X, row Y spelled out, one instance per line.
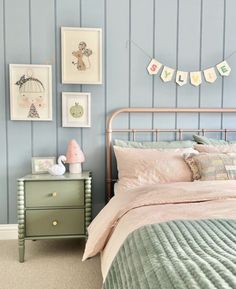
column 197, row 254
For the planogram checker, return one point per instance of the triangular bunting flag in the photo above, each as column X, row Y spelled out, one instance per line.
column 181, row 77
column 196, row 78
column 224, row 68
column 210, row 75
column 154, row 66
column 167, row 73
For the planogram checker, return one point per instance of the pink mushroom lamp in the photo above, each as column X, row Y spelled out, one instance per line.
column 74, row 157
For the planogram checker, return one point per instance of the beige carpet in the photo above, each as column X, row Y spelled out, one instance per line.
column 49, row 264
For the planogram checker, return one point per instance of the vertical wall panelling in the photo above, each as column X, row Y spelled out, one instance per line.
column 3, row 127
column 118, row 59
column 140, row 81
column 212, row 44
column 189, row 57
column 68, row 15
column 187, row 35
column 229, row 98
column 19, row 132
column 117, row 54
column 43, row 52
column 166, row 33
column 93, row 15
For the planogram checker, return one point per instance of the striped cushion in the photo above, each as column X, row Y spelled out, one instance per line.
column 213, row 166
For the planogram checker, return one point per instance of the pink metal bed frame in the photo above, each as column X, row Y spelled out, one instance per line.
column 154, row 131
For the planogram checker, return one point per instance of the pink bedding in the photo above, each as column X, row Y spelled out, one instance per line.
column 129, row 210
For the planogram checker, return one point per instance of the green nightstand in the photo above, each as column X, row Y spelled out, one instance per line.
column 53, row 207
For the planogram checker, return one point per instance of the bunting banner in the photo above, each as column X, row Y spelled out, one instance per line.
column 195, row 77
column 183, row 77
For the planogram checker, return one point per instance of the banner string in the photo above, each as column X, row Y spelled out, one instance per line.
column 229, row 56
column 128, row 42
column 139, row 47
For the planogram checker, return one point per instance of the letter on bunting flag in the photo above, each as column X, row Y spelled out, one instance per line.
column 210, row 75
column 154, row 66
column 181, row 77
column 167, row 73
column 224, row 68
column 196, row 78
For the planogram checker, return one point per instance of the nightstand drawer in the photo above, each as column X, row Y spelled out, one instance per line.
column 54, row 193
column 54, row 222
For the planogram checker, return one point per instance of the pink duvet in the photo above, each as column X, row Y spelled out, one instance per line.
column 129, row 210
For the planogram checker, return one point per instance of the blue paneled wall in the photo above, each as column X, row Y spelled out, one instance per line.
column 184, row 34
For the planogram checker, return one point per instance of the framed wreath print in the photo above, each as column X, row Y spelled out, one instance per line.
column 76, row 109
column 81, row 50
column 40, row 165
column 31, row 92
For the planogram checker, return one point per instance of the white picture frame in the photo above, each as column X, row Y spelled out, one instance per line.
column 40, row 165
column 81, row 55
column 76, row 109
column 30, row 92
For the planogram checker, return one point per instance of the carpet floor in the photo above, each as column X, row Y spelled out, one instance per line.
column 49, row 264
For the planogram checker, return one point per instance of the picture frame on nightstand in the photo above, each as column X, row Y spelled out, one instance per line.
column 40, row 165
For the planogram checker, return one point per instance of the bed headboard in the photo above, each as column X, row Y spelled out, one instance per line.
column 154, row 131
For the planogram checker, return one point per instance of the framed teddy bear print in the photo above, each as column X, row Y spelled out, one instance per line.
column 30, row 92
column 81, row 53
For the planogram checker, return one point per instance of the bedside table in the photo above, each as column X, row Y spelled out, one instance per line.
column 53, row 207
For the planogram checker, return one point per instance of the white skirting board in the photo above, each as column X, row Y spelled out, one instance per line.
column 8, row 231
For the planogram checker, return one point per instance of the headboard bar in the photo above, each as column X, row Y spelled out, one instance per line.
column 133, row 131
column 204, row 130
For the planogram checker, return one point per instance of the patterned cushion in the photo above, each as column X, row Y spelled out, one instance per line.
column 189, row 159
column 213, row 166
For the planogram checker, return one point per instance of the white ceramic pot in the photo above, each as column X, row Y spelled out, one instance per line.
column 75, row 168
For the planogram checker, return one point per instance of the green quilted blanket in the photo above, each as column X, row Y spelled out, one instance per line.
column 178, row 254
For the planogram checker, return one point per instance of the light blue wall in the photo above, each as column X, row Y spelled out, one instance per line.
column 188, row 34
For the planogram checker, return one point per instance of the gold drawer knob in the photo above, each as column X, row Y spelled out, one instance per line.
column 54, row 194
column 54, row 223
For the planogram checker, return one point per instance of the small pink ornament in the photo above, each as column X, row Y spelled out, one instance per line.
column 74, row 157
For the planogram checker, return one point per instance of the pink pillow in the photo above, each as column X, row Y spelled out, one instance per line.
column 228, row 148
column 137, row 167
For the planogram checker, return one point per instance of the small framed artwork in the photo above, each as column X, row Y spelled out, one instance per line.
column 31, row 92
column 81, row 52
column 76, row 109
column 40, row 165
